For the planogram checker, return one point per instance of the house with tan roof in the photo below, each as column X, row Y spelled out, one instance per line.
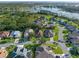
column 4, row 34
column 3, row 53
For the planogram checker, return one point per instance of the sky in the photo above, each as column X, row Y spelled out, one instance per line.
column 45, row 0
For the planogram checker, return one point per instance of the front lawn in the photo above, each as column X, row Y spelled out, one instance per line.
column 55, row 30
column 33, row 39
column 10, row 50
column 7, row 40
column 55, row 37
column 56, row 49
column 32, row 47
column 75, row 56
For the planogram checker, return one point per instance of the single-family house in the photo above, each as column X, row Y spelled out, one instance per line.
column 21, row 52
column 74, row 38
column 38, row 33
column 52, row 19
column 37, row 22
column 31, row 31
column 41, row 53
column 39, row 42
column 4, row 34
column 48, row 33
column 42, row 21
column 26, row 34
column 50, row 25
column 3, row 53
column 43, row 18
column 16, row 34
column 71, row 28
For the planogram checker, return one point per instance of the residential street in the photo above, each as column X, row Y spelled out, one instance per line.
column 62, row 45
column 8, row 44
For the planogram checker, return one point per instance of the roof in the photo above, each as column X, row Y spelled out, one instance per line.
column 50, row 25
column 39, row 49
column 15, row 33
column 26, row 34
column 48, row 33
column 4, row 34
column 74, row 37
column 19, row 56
column 43, row 54
column 21, row 51
column 3, row 53
column 30, row 30
column 52, row 19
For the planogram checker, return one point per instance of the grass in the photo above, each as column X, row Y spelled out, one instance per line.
column 55, row 30
column 55, row 48
column 58, row 50
column 32, row 47
column 65, row 31
column 33, row 39
column 7, row 40
column 69, row 22
column 68, row 44
column 45, row 39
column 55, row 37
column 74, row 24
column 75, row 56
column 48, row 16
column 10, row 50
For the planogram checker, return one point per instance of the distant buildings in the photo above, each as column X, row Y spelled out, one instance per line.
column 18, row 8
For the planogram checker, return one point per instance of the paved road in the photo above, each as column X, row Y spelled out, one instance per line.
column 8, row 44
column 62, row 45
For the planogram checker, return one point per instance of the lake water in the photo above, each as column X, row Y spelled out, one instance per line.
column 59, row 12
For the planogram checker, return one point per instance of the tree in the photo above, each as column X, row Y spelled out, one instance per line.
column 74, row 51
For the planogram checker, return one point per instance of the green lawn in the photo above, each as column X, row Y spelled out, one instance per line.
column 74, row 24
column 45, row 39
column 55, row 38
column 58, row 50
column 10, row 50
column 75, row 56
column 33, row 39
column 55, row 48
column 7, row 40
column 55, row 30
column 32, row 47
column 68, row 44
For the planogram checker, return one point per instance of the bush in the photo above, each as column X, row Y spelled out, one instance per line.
column 74, row 51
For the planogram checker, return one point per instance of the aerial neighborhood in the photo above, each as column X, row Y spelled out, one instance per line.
column 38, row 35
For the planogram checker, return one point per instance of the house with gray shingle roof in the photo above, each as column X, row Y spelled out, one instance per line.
column 41, row 53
